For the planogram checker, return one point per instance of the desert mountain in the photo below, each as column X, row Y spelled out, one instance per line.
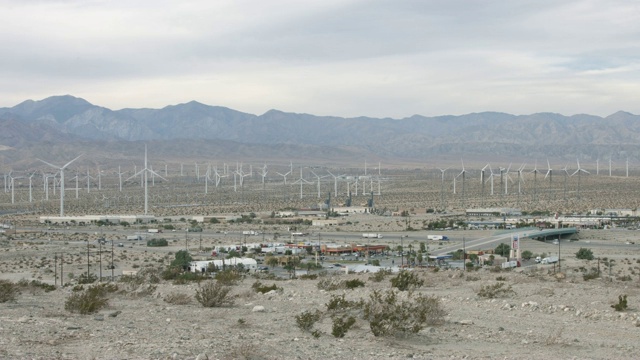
column 69, row 119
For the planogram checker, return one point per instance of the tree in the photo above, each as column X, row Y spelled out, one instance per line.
column 419, row 258
column 584, row 254
column 503, row 250
column 182, row 260
column 527, row 254
column 271, row 261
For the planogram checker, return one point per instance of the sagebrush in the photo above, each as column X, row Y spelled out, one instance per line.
column 214, row 294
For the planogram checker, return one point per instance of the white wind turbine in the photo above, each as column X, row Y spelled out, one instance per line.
column 491, row 175
column 335, row 182
column 144, row 172
column 482, row 181
column 284, row 177
column 13, row 185
column 520, row 181
column 61, row 181
column 549, row 174
column 579, row 172
column 627, row 167
column 442, row 171
column 120, row 173
column 535, row 181
column 609, row 166
column 507, row 178
column 263, row 173
column 318, row 177
column 30, row 184
column 301, row 181
column 463, row 174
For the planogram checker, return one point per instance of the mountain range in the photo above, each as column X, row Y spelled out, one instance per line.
column 195, row 130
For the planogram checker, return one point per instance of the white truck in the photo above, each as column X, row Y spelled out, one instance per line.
column 437, row 237
column 509, row 264
column 372, row 236
column 549, row 260
column 154, row 231
column 134, row 237
column 249, row 232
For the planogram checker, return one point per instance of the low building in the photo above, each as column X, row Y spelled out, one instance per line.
column 214, row 265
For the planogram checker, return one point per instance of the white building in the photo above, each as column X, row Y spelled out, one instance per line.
column 202, row 266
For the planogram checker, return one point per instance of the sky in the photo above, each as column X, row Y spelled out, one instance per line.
column 331, row 57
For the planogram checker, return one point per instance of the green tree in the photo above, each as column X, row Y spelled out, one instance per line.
column 503, row 250
column 527, row 254
column 584, row 254
column 182, row 260
column 419, row 258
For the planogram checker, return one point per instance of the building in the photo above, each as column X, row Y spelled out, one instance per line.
column 493, row 212
column 213, row 265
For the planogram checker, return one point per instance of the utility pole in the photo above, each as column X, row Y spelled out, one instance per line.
column 464, row 255
column 100, row 259
column 55, row 267
column 112, row 260
column 61, row 268
column 88, row 266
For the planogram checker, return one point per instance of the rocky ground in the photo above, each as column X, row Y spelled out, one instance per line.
column 547, row 314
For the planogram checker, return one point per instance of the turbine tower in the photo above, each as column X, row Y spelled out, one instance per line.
column 442, row 171
column 579, row 171
column 61, row 181
column 144, row 173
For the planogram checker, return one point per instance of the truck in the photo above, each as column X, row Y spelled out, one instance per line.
column 249, row 232
column 549, row 260
column 154, row 231
column 509, row 264
column 134, row 237
column 372, row 236
column 437, row 237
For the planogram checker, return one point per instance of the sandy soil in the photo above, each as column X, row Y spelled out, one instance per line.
column 548, row 315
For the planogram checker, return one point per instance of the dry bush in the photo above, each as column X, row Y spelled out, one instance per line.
column 8, row 291
column 177, row 298
column 389, row 315
column 88, row 301
column 495, row 290
column 214, row 294
column 245, row 352
column 330, row 284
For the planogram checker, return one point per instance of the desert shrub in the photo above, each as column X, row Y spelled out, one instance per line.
column 186, row 277
column 87, row 301
column 307, row 319
column 177, row 298
column 501, row 278
column 354, row 283
column 228, row 277
column 213, row 294
column 339, row 303
column 584, row 254
column 85, row 278
column 258, row 287
column 330, row 284
column 389, row 315
column 36, row 284
column 622, row 303
column 472, row 278
column 8, row 291
column 380, row 275
column 495, row 290
column 590, row 275
column 406, row 280
column 624, row 278
column 157, row 242
column 342, row 324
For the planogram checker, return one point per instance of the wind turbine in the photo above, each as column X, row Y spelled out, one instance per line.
column 144, row 172
column 482, row 181
column 61, row 181
column 627, row 167
column 12, row 184
column 579, row 171
column 284, row 176
column 31, row 183
column 319, row 177
column 442, row 171
column 520, row 180
column 535, row 181
column 301, row 181
column 550, row 175
column 335, row 183
column 566, row 173
column 462, row 173
column 609, row 166
column 120, row 177
column 507, row 178
column 263, row 173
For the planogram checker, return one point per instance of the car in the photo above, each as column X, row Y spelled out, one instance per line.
column 337, row 265
column 120, row 245
column 263, row 268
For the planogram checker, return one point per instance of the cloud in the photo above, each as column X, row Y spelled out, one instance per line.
column 335, row 57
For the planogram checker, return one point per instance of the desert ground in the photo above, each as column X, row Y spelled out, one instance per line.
column 547, row 313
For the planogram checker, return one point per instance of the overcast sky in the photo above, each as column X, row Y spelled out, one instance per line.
column 331, row 57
